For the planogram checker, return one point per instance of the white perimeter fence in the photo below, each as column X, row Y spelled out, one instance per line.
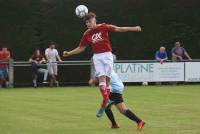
column 133, row 70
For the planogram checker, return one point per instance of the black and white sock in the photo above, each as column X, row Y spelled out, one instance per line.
column 129, row 114
column 110, row 116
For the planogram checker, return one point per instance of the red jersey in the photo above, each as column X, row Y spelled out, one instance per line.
column 98, row 38
column 4, row 56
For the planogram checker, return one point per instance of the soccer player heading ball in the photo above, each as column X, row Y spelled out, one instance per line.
column 97, row 35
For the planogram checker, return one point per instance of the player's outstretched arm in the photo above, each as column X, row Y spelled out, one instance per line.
column 74, row 51
column 127, row 29
column 93, row 81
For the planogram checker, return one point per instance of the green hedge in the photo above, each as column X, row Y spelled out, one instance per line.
column 27, row 24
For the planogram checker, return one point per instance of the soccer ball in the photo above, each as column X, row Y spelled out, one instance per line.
column 81, row 11
column 145, row 83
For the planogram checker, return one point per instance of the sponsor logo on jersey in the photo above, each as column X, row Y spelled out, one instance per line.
column 97, row 37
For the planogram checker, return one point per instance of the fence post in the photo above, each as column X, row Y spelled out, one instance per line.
column 92, row 70
column 11, row 73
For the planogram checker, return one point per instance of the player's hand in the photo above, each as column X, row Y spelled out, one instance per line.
column 180, row 58
column 190, row 59
column 91, row 82
column 66, row 54
column 161, row 61
column 139, row 29
column 42, row 61
column 35, row 62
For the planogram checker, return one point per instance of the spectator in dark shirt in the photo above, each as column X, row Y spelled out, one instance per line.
column 35, row 60
column 179, row 53
column 161, row 55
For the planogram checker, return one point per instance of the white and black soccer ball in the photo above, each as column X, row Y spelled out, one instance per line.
column 81, row 11
column 145, row 83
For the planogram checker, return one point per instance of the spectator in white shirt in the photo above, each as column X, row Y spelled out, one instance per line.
column 52, row 57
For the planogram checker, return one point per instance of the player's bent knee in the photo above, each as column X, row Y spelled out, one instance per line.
column 122, row 111
column 107, row 108
column 102, row 78
column 102, row 83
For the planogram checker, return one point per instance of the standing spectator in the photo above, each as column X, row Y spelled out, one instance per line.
column 35, row 60
column 178, row 52
column 52, row 57
column 4, row 57
column 161, row 55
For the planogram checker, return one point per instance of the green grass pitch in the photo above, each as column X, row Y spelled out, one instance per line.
column 71, row 110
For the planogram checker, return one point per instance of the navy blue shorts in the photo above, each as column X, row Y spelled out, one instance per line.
column 116, row 98
column 3, row 73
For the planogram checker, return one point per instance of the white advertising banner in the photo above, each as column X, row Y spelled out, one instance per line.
column 192, row 71
column 150, row 72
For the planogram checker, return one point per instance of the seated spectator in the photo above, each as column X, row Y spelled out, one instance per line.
column 4, row 57
column 178, row 52
column 35, row 60
column 161, row 55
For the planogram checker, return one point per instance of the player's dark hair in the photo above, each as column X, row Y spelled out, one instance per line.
column 52, row 43
column 88, row 16
column 35, row 51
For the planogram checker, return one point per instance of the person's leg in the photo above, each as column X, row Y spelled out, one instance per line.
column 111, row 117
column 103, row 90
column 1, row 83
column 101, row 73
column 109, row 112
column 34, row 74
column 108, row 91
column 108, row 66
column 51, row 74
column 1, row 78
column 105, row 70
column 6, row 78
column 55, row 70
column 108, row 85
column 45, row 72
column 117, row 99
column 35, row 81
column 128, row 113
column 51, row 80
column 104, row 93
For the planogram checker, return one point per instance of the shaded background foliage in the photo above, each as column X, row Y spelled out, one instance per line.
column 29, row 24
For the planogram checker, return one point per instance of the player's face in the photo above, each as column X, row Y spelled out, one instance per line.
column 38, row 52
column 52, row 46
column 178, row 44
column 161, row 50
column 91, row 23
